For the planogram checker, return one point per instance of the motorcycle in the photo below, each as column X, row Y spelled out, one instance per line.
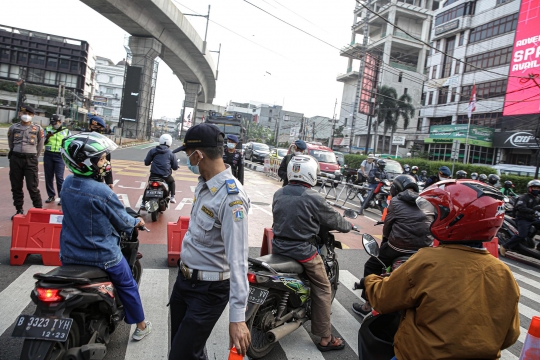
column 527, row 251
column 156, row 197
column 351, row 175
column 279, row 293
column 380, row 196
column 77, row 309
column 377, row 331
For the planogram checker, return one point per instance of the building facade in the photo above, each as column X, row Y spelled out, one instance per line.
column 397, row 36
column 473, row 43
column 107, row 99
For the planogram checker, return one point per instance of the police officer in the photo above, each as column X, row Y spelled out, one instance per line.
column 52, row 160
column 25, row 144
column 297, row 148
column 98, row 125
column 214, row 262
column 443, row 174
column 234, row 158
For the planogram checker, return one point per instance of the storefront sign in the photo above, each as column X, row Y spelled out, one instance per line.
column 520, row 139
column 398, row 140
column 447, row 27
column 478, row 135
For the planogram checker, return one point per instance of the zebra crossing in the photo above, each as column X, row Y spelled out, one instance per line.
column 155, row 288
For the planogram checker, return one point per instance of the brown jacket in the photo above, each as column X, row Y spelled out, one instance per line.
column 458, row 303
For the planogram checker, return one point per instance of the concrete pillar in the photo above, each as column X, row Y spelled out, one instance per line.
column 144, row 51
column 192, row 92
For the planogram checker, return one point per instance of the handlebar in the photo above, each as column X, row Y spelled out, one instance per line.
column 144, row 228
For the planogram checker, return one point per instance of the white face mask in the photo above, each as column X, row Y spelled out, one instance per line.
column 26, row 118
column 56, row 126
column 298, row 153
column 231, row 145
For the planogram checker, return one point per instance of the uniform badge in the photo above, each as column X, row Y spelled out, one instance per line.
column 296, row 168
column 231, row 187
column 236, row 202
column 207, row 211
column 194, row 198
column 238, row 213
column 213, row 190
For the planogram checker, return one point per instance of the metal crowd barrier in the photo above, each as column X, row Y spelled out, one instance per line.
column 334, row 184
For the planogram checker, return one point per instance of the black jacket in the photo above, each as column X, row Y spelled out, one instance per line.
column 376, row 173
column 162, row 159
column 525, row 207
column 432, row 180
column 406, row 226
column 236, row 161
column 282, row 171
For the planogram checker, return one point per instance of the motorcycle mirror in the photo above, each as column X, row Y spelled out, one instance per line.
column 350, row 214
column 370, row 245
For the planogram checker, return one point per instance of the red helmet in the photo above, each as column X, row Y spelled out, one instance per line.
column 463, row 210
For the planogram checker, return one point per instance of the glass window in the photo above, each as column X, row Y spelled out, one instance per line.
column 455, row 12
column 323, row 156
column 36, row 75
column 443, row 95
column 109, row 91
column 437, row 45
column 430, row 97
column 453, row 96
column 37, row 59
column 461, row 38
column 488, row 59
column 22, row 57
column 74, row 66
column 458, row 65
column 64, row 64
column 260, row 147
column 52, row 62
column 447, row 60
column 107, row 112
column 50, row 78
column 434, row 72
column 282, row 152
column 493, row 28
column 4, row 70
column 4, row 54
column 487, row 119
column 14, row 72
column 111, row 79
column 419, row 125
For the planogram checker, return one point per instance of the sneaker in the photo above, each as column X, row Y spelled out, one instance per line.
column 502, row 250
column 173, row 200
column 139, row 334
column 60, row 202
column 357, row 308
column 50, row 199
column 19, row 212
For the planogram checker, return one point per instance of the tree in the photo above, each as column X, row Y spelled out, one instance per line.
column 405, row 110
column 384, row 106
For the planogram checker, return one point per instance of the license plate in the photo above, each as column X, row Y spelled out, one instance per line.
column 257, row 296
column 42, row 328
column 154, row 193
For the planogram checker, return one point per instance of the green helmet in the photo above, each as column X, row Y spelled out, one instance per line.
column 81, row 152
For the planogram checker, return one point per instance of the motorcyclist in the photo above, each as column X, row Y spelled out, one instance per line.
column 406, row 169
column 311, row 211
column 483, row 178
column 375, row 176
column 450, row 297
column 163, row 162
column 443, row 174
column 297, row 148
column 406, row 229
column 526, row 207
column 365, row 168
column 461, row 174
column 98, row 125
column 507, row 189
column 423, row 176
column 493, row 180
column 93, row 219
column 414, row 173
column 474, row 176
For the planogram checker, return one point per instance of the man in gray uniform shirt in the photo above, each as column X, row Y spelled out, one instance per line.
column 25, row 144
column 213, row 266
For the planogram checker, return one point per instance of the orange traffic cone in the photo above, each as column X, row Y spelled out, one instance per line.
column 531, row 347
column 233, row 355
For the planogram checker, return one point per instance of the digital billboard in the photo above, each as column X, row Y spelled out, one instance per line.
column 369, row 84
column 130, row 100
column 523, row 90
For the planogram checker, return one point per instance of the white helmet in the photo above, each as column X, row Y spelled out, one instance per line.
column 303, row 168
column 165, row 139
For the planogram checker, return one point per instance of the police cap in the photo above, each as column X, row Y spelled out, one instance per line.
column 98, row 121
column 233, row 138
column 28, row 109
column 202, row 135
column 300, row 145
column 55, row 118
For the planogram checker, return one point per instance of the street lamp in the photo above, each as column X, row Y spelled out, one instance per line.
column 205, row 31
column 219, row 55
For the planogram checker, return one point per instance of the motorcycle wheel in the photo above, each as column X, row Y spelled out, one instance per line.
column 351, row 194
column 334, row 280
column 259, row 324
column 155, row 215
column 504, row 236
column 56, row 352
column 137, row 271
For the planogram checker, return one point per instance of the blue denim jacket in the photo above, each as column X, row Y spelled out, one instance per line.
column 93, row 218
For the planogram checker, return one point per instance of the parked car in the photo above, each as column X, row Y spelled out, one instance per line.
column 256, row 151
column 325, row 156
column 393, row 168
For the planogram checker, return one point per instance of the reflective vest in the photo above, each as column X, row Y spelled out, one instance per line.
column 54, row 142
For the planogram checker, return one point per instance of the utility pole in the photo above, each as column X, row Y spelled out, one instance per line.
column 331, row 145
column 206, row 31
column 20, row 90
column 360, row 74
column 278, row 128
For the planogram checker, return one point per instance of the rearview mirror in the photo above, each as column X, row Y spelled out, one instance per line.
column 370, row 245
column 350, row 214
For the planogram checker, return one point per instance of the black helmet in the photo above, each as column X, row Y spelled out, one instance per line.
column 508, row 184
column 474, row 176
column 402, row 183
column 493, row 179
column 406, row 167
column 482, row 178
column 532, row 183
column 423, row 172
column 461, row 174
column 381, row 164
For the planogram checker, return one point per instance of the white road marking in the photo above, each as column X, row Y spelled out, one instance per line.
column 124, row 199
column 260, row 208
column 346, row 325
column 183, row 202
column 139, row 202
column 141, row 186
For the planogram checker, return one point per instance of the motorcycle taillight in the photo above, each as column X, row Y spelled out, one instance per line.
column 252, row 278
column 155, row 184
column 49, row 295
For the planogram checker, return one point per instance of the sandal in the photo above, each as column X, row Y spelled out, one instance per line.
column 333, row 344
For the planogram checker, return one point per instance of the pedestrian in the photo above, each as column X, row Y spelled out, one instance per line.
column 213, row 266
column 365, row 168
column 52, row 159
column 98, row 125
column 297, row 148
column 234, row 158
column 25, row 141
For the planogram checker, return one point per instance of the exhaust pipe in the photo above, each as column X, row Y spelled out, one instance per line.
column 274, row 335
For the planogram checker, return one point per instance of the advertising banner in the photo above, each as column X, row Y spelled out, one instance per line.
column 523, row 90
column 369, row 83
column 478, row 135
column 516, row 139
column 130, row 99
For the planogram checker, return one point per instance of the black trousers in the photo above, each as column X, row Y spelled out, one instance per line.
column 170, row 181
column 523, row 227
column 195, row 308
column 373, row 266
column 54, row 167
column 24, row 168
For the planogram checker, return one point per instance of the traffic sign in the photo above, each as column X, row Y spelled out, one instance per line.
column 455, row 150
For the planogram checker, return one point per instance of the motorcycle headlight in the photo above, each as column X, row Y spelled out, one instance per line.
column 151, row 206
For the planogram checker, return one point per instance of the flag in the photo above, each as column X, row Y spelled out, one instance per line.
column 472, row 102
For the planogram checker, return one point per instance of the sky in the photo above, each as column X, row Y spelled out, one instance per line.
column 262, row 59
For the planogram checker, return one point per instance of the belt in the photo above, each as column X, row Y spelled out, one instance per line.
column 204, row 275
column 313, row 240
column 22, row 155
column 52, row 152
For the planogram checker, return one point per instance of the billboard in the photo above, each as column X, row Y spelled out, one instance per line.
column 515, row 139
column 369, row 84
column 130, row 99
column 523, row 90
column 478, row 135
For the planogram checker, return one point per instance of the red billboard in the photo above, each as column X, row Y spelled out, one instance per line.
column 369, row 84
column 523, row 90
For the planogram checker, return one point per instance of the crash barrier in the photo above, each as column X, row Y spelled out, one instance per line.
column 531, row 346
column 266, row 165
column 274, row 167
column 491, row 246
column 385, row 211
column 175, row 235
column 266, row 247
column 330, row 180
column 36, row 233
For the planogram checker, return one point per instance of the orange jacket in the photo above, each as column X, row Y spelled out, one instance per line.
column 457, row 302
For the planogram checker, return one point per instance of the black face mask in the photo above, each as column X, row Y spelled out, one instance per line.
column 535, row 192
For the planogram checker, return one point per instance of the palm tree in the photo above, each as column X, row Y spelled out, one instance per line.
column 405, row 109
column 384, row 108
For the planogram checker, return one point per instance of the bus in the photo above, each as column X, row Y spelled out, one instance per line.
column 228, row 124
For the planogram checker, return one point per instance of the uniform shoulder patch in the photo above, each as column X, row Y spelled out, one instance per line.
column 236, row 202
column 207, row 211
column 238, row 213
column 231, row 187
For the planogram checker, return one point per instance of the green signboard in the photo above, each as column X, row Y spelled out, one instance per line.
column 478, row 135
